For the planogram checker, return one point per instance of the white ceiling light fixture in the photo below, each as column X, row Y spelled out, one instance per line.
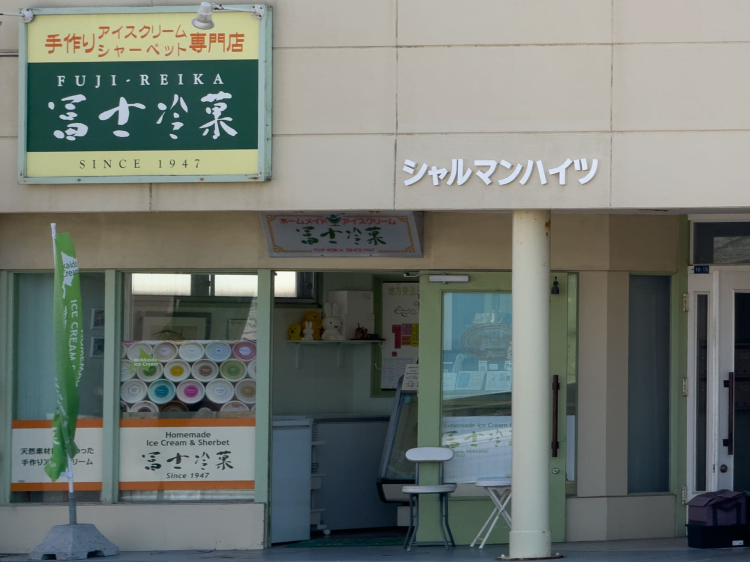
column 25, row 14
column 448, row 278
column 204, row 18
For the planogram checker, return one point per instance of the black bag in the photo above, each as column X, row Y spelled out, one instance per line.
column 720, row 508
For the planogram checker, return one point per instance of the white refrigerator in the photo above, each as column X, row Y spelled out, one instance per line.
column 290, row 479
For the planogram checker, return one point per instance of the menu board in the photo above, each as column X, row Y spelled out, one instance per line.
column 400, row 327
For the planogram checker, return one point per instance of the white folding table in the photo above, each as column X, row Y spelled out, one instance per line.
column 499, row 492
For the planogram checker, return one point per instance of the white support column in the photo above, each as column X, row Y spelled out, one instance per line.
column 530, row 534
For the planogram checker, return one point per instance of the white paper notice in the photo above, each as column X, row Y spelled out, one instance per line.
column 470, row 380
column 400, row 331
column 498, row 381
column 449, row 381
column 411, row 377
column 482, row 447
column 393, row 369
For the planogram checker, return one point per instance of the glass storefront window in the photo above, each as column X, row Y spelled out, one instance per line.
column 36, row 394
column 648, row 383
column 477, row 384
column 188, row 387
column 721, row 242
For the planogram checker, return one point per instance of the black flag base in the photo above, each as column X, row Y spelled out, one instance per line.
column 73, row 542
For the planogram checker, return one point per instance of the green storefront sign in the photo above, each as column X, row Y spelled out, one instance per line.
column 140, row 95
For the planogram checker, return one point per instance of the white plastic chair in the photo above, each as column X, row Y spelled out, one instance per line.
column 421, row 455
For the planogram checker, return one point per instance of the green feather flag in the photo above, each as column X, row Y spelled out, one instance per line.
column 69, row 347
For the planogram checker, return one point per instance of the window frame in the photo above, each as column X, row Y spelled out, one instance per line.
column 113, row 304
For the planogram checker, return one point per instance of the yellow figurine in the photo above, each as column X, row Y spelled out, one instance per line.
column 294, row 332
column 313, row 316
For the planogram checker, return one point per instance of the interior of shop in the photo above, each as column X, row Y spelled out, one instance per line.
column 339, row 358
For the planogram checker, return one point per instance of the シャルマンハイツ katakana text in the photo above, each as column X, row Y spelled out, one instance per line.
column 485, row 170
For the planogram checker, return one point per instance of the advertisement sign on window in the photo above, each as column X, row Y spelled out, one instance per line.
column 187, row 454
column 32, row 449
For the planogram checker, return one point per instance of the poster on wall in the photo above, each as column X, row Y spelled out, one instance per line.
column 140, row 95
column 482, row 446
column 400, row 325
column 31, row 451
column 187, row 454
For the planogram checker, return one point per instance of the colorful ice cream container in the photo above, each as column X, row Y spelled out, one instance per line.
column 150, row 372
column 127, row 370
column 233, row 370
column 252, row 369
column 190, row 391
column 191, row 351
column 134, row 351
column 219, row 391
column 177, row 371
column 218, row 351
column 161, row 391
column 133, row 391
column 244, row 391
column 235, row 406
column 144, row 406
column 245, row 350
column 205, row 370
column 165, row 351
column 174, row 407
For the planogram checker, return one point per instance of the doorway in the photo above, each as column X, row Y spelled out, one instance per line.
column 335, row 412
column 466, row 387
column 719, row 380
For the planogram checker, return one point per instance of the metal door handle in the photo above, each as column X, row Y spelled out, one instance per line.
column 729, row 441
column 555, row 408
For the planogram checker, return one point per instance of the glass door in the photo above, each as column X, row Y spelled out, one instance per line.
column 734, row 379
column 719, row 382
column 466, row 385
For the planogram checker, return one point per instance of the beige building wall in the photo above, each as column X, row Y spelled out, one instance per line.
column 234, row 240
column 142, row 527
column 650, row 88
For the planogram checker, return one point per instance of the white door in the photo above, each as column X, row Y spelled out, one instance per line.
column 719, row 381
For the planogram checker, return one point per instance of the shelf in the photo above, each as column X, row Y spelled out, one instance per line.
column 340, row 345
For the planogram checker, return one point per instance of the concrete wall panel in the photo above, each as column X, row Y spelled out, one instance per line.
column 142, row 527
column 644, row 243
column 321, row 91
column 592, row 385
column 643, row 517
column 681, row 21
column 510, row 22
column 8, row 96
column 680, row 87
column 580, row 242
column 499, row 89
column 680, row 170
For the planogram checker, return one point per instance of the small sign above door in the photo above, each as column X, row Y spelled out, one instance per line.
column 338, row 235
column 700, row 269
